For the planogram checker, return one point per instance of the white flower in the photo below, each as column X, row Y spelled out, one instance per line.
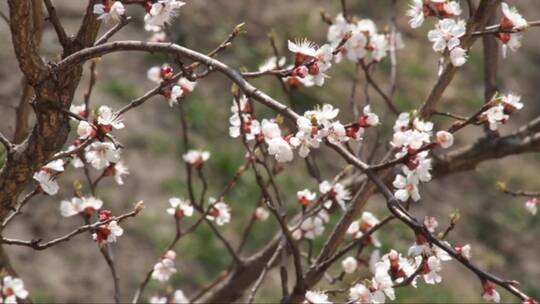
column 159, row 73
column 179, row 207
column 360, row 294
column 416, row 12
column 349, row 264
column 532, row 205
column 251, row 127
column 304, row 143
column 163, row 270
column 78, row 109
column 397, row 265
column 368, row 119
column 173, row 94
column 187, row 85
column 162, row 12
column 337, row 133
column 116, row 231
column 355, row 47
column 180, row 297
column 382, row 284
column 270, row 129
column 13, row 289
column 55, row 165
column 458, row 56
column 464, row 250
column 196, row 158
column 366, row 26
column 261, row 214
column 106, row 118
column 431, row 223
column 324, row 57
column 512, row 18
column 86, row 205
column 46, row 182
column 334, row 193
column 305, row 197
column 338, row 30
column 85, row 130
column 71, row 208
column 312, row 226
column 495, row 116
column 411, row 135
column 490, row 293
column 379, row 46
column 452, row 8
column 433, row 267
column 512, row 102
column 219, row 212
column 119, row 170
column 407, row 187
column 402, row 122
column 158, row 300
column 325, row 115
column 512, row 42
column 101, row 155
column 281, row 149
column 114, row 12
column 108, row 232
column 272, row 63
column 446, row 34
column 445, row 139
column 364, row 224
column 303, row 47
column 316, row 297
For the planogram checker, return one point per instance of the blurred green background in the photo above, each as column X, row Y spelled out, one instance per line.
column 504, row 237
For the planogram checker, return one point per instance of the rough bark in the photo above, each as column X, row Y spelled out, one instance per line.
column 51, row 92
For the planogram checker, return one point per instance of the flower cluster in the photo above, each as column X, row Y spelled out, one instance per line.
column 310, row 62
column 448, row 31
column 501, row 108
column 173, row 91
column 430, row 258
column 420, row 9
column 46, row 177
column 109, row 232
column 101, row 155
column 363, row 41
column 410, row 134
column 511, row 20
column 391, row 268
column 242, row 120
column 165, row 268
column 109, row 10
column 12, row 289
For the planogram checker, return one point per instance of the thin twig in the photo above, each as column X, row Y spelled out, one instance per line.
column 53, row 18
column 123, row 22
column 37, row 244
